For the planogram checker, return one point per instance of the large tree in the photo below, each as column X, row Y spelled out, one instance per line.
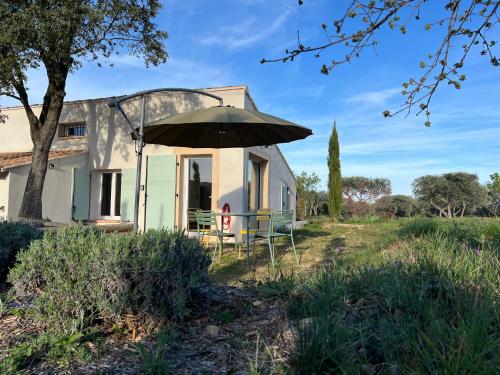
column 334, row 176
column 450, row 194
column 307, row 194
column 58, row 36
column 461, row 27
column 361, row 192
column 392, row 206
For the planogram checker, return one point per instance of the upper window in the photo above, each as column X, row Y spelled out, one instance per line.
column 73, row 129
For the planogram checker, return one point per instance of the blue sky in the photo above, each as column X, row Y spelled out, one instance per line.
column 220, row 42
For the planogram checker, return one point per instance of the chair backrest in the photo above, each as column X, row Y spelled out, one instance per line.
column 263, row 217
column 205, row 219
column 282, row 219
column 191, row 217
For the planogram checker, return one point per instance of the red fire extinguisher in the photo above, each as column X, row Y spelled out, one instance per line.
column 226, row 220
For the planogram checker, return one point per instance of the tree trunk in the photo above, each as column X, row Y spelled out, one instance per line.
column 43, row 130
column 32, row 199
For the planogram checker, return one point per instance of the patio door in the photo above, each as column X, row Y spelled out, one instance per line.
column 110, row 197
column 197, row 186
column 254, row 185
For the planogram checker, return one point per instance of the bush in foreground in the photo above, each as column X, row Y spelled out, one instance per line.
column 14, row 235
column 430, row 307
column 79, row 275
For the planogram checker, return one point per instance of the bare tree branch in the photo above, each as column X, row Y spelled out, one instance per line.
column 468, row 22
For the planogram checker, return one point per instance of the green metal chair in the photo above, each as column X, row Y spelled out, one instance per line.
column 261, row 225
column 192, row 221
column 280, row 226
column 206, row 221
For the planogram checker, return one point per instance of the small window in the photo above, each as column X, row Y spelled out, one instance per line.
column 74, row 129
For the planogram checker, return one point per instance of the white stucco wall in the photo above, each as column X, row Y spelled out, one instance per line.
column 57, row 191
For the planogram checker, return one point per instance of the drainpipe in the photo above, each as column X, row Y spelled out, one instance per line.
column 139, row 133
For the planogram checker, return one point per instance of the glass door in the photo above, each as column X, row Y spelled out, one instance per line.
column 199, row 186
column 254, row 187
column 111, row 183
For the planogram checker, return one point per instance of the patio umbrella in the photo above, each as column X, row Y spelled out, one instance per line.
column 222, row 127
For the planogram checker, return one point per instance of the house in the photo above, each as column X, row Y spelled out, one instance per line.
column 92, row 166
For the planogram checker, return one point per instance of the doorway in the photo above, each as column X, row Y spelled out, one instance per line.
column 197, row 187
column 110, row 197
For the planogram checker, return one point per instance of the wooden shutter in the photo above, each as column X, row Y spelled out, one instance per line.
column 127, row 194
column 81, row 194
column 160, row 191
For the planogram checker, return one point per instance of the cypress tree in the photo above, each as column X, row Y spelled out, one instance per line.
column 334, row 176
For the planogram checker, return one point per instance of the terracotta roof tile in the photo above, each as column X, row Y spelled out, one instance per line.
column 14, row 159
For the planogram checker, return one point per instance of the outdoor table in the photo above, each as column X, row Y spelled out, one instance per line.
column 246, row 215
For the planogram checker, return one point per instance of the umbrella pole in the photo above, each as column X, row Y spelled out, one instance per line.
column 140, row 145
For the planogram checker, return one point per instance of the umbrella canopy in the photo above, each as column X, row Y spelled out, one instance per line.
column 222, row 127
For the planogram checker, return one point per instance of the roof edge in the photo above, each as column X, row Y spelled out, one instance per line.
column 109, row 98
column 76, row 153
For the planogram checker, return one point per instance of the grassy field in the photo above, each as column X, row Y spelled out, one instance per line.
column 411, row 296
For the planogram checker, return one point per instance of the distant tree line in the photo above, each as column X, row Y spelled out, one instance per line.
column 455, row 194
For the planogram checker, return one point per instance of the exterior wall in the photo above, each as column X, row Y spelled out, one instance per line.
column 110, row 148
column 4, row 194
column 57, row 191
column 278, row 173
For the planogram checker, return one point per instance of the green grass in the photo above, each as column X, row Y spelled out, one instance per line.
column 317, row 246
column 54, row 349
column 422, row 300
column 368, row 219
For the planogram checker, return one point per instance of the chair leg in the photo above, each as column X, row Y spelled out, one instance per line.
column 215, row 249
column 271, row 250
column 221, row 246
column 295, row 251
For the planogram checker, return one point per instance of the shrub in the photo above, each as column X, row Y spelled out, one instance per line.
column 78, row 275
column 14, row 235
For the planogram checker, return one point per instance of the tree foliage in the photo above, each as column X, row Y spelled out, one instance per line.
column 59, row 36
column 334, row 176
column 307, row 194
column 450, row 194
column 392, row 206
column 361, row 192
column 463, row 26
column 493, row 204
column 365, row 189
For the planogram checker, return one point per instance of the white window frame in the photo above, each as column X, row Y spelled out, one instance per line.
column 285, row 199
column 185, row 185
column 113, row 172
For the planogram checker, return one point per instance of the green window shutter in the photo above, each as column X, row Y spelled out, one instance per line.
column 160, row 191
column 81, row 194
column 128, row 194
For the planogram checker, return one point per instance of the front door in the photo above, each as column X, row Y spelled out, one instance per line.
column 198, row 184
